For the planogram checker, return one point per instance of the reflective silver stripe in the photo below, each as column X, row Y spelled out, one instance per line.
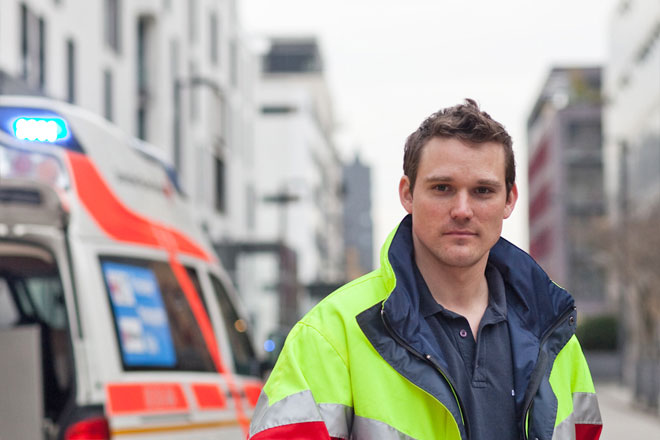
column 300, row 408
column 585, row 411
column 364, row 428
column 338, row 419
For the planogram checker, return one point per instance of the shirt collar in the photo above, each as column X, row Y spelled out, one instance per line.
column 496, row 310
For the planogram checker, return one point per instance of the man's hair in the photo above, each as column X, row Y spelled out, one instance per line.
column 467, row 123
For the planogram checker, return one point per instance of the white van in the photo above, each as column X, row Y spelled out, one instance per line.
column 116, row 318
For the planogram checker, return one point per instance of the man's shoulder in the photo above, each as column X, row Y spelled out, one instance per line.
column 345, row 303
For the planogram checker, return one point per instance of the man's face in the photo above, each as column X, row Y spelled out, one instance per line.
column 458, row 203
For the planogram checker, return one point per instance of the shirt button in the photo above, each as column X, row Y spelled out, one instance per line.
column 463, row 333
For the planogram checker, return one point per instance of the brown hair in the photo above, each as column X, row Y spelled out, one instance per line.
column 465, row 122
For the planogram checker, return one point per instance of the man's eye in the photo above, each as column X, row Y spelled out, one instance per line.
column 483, row 190
column 441, row 187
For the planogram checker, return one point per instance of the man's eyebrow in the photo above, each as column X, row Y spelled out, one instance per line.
column 487, row 182
column 438, row 179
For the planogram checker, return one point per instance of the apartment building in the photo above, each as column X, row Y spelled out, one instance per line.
column 178, row 75
column 566, row 197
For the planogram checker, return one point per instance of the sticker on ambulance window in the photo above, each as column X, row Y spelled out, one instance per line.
column 140, row 316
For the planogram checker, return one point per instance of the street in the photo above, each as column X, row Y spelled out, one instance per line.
column 621, row 419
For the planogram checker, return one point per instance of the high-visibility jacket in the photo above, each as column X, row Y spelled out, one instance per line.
column 363, row 364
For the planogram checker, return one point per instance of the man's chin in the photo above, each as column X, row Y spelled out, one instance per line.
column 463, row 258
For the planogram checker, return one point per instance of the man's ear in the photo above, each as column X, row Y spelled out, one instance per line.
column 405, row 194
column 511, row 201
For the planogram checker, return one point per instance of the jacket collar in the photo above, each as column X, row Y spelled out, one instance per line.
column 532, row 297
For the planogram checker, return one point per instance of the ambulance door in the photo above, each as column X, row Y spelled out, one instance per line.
column 38, row 319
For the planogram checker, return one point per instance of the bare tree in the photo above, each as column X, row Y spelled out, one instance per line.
column 631, row 249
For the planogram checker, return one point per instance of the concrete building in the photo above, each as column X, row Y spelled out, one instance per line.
column 632, row 182
column 358, row 223
column 632, row 116
column 566, row 197
column 176, row 74
column 298, row 184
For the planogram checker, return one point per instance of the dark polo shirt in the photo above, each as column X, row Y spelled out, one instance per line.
column 481, row 371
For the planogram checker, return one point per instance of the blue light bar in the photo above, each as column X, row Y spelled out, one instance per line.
column 40, row 129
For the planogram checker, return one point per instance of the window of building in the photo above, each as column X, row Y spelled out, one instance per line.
column 112, row 24
column 174, row 58
column 155, row 325
column 176, row 104
column 70, row 71
column 41, row 63
column 107, row 95
column 141, row 51
column 214, row 35
column 277, row 109
column 144, row 25
column 644, row 167
column 220, row 186
column 293, row 57
column 250, row 207
column 32, row 48
column 585, row 135
column 25, row 44
column 233, row 62
column 194, row 100
column 192, row 20
column 585, row 186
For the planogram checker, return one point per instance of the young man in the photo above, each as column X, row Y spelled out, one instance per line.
column 458, row 335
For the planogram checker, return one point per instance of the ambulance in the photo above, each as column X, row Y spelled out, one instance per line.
column 116, row 319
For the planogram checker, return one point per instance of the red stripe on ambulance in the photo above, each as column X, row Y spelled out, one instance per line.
column 118, row 221
column 145, row 398
column 209, row 396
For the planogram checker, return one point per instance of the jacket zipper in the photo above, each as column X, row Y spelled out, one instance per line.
column 528, row 405
column 428, row 358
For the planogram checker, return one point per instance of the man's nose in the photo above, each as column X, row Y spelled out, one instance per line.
column 461, row 208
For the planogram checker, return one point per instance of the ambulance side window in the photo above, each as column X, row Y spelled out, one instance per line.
column 245, row 361
column 155, row 325
column 192, row 274
column 48, row 299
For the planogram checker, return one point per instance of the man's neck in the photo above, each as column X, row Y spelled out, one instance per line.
column 463, row 290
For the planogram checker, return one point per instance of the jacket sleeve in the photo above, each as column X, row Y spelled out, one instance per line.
column 578, row 416
column 308, row 394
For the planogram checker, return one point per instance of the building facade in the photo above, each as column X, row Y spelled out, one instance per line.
column 299, row 198
column 566, row 197
column 358, row 223
column 632, row 182
column 632, row 116
column 178, row 75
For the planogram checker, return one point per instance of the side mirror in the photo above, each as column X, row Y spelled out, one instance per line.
column 265, row 367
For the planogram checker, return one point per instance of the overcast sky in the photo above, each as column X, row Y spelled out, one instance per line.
column 390, row 63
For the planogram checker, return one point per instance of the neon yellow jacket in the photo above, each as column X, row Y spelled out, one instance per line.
column 360, row 365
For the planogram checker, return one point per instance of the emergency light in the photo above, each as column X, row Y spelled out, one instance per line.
column 40, row 129
column 39, row 126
